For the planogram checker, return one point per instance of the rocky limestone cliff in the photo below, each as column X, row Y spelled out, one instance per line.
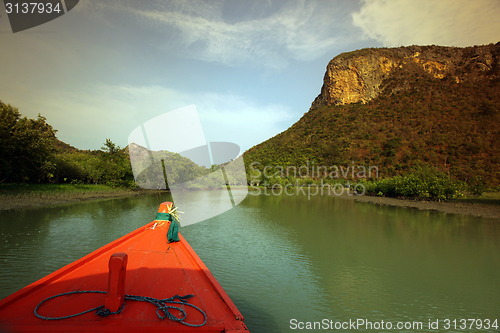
column 400, row 110
column 362, row 75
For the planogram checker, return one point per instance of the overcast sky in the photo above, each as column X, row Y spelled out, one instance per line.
column 251, row 68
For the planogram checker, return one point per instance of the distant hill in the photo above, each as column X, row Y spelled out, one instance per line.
column 152, row 167
column 399, row 109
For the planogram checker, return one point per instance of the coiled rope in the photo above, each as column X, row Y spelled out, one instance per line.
column 163, row 307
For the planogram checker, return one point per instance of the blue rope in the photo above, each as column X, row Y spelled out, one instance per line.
column 163, row 309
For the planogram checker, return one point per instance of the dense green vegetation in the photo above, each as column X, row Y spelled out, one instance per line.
column 423, row 184
column 110, row 165
column 27, row 147
column 31, row 153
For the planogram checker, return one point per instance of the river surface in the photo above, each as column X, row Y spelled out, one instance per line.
column 289, row 260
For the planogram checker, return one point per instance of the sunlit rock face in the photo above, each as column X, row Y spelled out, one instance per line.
column 362, row 75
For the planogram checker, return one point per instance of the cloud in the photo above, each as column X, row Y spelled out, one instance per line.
column 224, row 116
column 113, row 111
column 426, row 22
column 301, row 30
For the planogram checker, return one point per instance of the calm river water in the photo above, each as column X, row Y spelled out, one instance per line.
column 288, row 260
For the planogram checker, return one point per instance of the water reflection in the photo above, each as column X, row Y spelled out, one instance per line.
column 285, row 257
column 261, row 265
column 392, row 263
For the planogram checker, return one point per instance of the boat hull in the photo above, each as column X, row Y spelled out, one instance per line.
column 155, row 268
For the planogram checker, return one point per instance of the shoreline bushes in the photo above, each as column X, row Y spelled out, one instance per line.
column 423, row 184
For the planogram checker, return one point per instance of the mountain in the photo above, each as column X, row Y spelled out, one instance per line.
column 163, row 169
column 151, row 168
column 399, row 109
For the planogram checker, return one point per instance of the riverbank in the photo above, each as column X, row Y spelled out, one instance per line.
column 487, row 206
column 22, row 196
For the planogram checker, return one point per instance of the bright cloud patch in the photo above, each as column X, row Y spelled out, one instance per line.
column 426, row 22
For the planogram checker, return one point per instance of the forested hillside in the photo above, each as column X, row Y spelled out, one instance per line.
column 400, row 110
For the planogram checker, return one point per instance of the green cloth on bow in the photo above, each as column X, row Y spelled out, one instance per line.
column 173, row 229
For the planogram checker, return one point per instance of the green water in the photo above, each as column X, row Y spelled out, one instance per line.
column 289, row 260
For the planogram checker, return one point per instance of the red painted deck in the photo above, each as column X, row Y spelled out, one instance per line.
column 155, row 269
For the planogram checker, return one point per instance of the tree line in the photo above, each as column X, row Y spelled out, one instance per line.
column 31, row 153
